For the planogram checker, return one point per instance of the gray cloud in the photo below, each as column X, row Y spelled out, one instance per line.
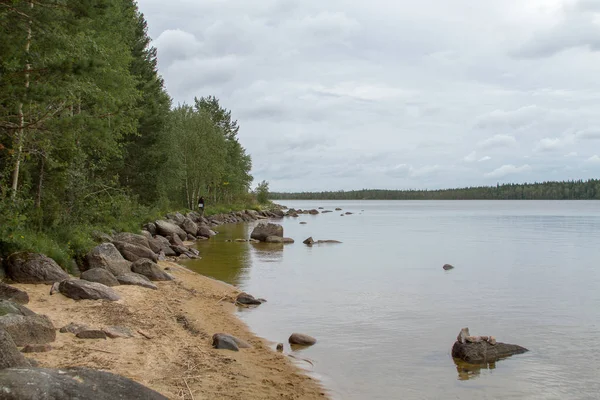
column 386, row 93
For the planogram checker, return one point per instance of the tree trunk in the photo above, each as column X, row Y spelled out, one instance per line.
column 38, row 195
column 21, row 131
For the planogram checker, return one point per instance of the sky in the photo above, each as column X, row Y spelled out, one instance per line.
column 393, row 94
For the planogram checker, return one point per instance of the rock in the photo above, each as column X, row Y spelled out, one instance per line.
column 9, row 353
column 482, row 349
column 155, row 245
column 302, row 223
column 326, row 211
column 320, row 208
column 10, row 307
column 447, row 267
column 191, row 237
column 262, row 231
column 308, row 241
column 273, row 239
column 205, row 231
column 134, row 252
column 108, row 257
column 287, row 240
column 100, row 275
column 8, row 292
column 348, row 213
column 115, row 332
column 313, row 212
column 146, row 234
column 327, row 241
column 150, row 270
column 74, row 383
column 36, row 348
column 176, row 217
column 136, row 279
column 165, row 245
column 165, row 228
column 189, row 226
column 247, row 299
column 301, row 339
column 463, row 335
column 31, row 329
column 151, row 227
column 74, row 328
column 179, row 250
column 91, row 334
column 25, row 267
column 131, row 238
column 279, row 347
column 225, row 342
column 175, row 240
column 277, row 213
column 338, row 209
column 79, row 289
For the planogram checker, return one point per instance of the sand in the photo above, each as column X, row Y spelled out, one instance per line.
column 178, row 359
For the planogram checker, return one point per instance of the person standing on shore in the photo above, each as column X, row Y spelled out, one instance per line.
column 201, row 206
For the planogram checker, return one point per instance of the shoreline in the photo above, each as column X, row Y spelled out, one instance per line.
column 178, row 360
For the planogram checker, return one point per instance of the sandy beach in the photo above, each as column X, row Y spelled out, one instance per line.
column 171, row 351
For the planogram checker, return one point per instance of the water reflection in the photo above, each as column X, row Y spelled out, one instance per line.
column 468, row 371
column 268, row 252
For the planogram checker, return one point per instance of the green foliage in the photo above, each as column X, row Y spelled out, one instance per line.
column 262, row 192
column 570, row 190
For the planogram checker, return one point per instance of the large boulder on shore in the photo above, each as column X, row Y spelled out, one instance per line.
column 108, row 257
column 176, row 217
column 132, row 238
column 134, row 252
column 79, row 289
column 189, row 226
column 30, row 329
column 262, row 231
column 99, row 275
column 150, row 270
column 25, row 267
column 482, row 349
column 136, row 279
column 165, row 228
column 165, row 245
column 72, row 383
column 10, row 356
column 11, row 293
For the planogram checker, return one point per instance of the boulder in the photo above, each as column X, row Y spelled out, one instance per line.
column 79, row 289
column 31, row 329
column 74, row 328
column 8, row 292
column 131, row 238
column 277, row 214
column 191, row 238
column 247, row 299
column 224, row 341
column 262, row 231
column 287, row 240
column 100, row 275
column 338, row 209
column 36, row 348
column 134, row 252
column 10, row 307
column 155, row 245
column 91, row 334
column 447, row 267
column 348, row 213
column 25, row 267
column 108, row 257
column 165, row 228
column 273, row 239
column 194, row 216
column 115, row 332
column 150, row 270
column 176, row 217
column 175, row 240
column 150, row 227
column 313, row 212
column 189, row 226
column 308, row 241
column 146, row 234
column 205, row 231
column 301, row 339
column 73, row 383
column 279, row 347
column 9, row 353
column 137, row 280
column 165, row 245
column 179, row 250
column 482, row 349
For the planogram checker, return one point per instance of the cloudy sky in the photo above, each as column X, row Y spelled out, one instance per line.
column 394, row 93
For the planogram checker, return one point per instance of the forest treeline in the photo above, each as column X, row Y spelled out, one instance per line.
column 569, row 190
column 89, row 139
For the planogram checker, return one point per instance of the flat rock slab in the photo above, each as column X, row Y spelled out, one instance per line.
column 91, row 334
column 75, row 383
column 115, row 332
column 32, row 329
column 37, row 348
column 484, row 352
column 8, row 292
column 73, row 328
column 150, row 270
column 137, row 280
column 9, row 353
column 100, row 275
column 28, row 267
column 302, row 339
column 79, row 289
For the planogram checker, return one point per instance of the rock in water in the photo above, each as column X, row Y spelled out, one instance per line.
column 309, row 241
column 10, row 356
column 72, row 383
column 136, row 279
column 447, row 267
column 274, row 239
column 262, row 231
column 279, row 347
column 99, row 275
column 228, row 342
column 8, row 292
column 150, row 270
column 79, row 289
column 28, row 267
column 301, row 339
column 476, row 350
column 32, row 329
column 108, row 257
column 247, row 299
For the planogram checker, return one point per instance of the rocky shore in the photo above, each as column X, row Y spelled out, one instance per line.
column 135, row 317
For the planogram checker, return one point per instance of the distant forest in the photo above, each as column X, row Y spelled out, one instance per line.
column 570, row 190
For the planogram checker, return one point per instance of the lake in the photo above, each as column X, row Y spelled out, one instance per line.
column 386, row 314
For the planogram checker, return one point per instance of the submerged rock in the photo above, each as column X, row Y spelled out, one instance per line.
column 302, row 339
column 25, row 267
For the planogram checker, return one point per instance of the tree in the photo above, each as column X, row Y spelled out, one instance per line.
column 262, row 192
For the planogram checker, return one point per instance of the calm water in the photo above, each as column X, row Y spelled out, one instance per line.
column 386, row 314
